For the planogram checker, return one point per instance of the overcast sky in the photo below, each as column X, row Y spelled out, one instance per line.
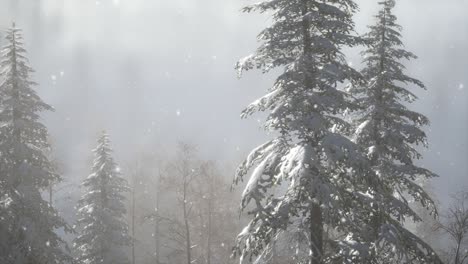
column 152, row 72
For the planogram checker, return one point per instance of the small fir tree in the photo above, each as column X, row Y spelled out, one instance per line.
column 103, row 235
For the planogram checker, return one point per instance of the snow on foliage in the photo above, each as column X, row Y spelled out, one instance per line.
column 389, row 133
column 311, row 172
column 27, row 222
column 103, row 231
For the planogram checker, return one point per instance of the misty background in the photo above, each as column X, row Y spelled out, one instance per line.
column 153, row 72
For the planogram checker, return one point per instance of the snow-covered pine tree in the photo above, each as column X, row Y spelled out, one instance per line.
column 310, row 174
column 390, row 133
column 28, row 223
column 103, row 232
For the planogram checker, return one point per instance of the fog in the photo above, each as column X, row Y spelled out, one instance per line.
column 152, row 73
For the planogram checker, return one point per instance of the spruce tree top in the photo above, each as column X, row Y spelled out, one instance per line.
column 20, row 118
column 305, row 39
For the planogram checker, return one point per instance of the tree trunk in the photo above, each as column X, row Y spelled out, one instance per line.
column 156, row 223
column 315, row 218
column 457, row 252
column 16, row 115
column 210, row 212
column 186, row 223
column 133, row 219
column 157, row 242
column 376, row 220
column 316, row 235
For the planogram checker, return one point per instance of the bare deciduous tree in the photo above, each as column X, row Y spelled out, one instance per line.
column 184, row 170
column 218, row 214
column 455, row 224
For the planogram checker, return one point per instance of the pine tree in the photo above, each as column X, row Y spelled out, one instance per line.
column 27, row 222
column 104, row 235
column 390, row 133
column 311, row 173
